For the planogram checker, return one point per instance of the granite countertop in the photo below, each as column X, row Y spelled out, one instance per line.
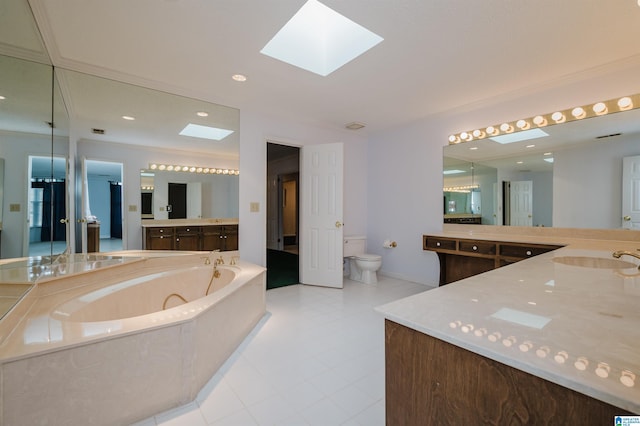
column 576, row 326
column 188, row 222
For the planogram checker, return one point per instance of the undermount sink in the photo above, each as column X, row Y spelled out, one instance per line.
column 594, row 262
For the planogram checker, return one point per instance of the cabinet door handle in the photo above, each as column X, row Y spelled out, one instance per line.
column 438, row 244
column 528, row 252
column 475, row 248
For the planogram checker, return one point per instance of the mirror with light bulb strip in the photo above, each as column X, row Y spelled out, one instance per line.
column 560, row 169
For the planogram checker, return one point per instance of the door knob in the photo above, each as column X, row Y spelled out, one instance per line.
column 64, row 220
column 339, row 224
column 627, row 218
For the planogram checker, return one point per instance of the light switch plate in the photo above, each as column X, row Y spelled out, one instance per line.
column 254, row 207
column 133, row 208
column 14, row 207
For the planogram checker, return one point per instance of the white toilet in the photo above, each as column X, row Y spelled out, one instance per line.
column 362, row 266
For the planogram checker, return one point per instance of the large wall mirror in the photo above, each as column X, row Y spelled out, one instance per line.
column 64, row 135
column 572, row 178
column 122, row 130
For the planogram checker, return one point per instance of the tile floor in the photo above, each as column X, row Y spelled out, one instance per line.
column 316, row 358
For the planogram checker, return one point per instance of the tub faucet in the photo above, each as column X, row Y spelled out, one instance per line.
column 207, row 260
column 619, row 253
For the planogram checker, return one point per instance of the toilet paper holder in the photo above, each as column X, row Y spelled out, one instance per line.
column 389, row 244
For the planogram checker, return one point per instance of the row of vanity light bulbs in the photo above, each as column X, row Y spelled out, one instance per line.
column 581, row 363
column 578, row 113
column 193, row 169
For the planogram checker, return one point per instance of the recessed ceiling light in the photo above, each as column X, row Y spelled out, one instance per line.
column 239, row 77
column 128, row 117
column 205, row 132
column 530, row 146
column 547, row 153
column 473, row 148
column 548, row 160
column 2, row 97
column 452, row 172
column 354, row 126
column 320, row 40
column 202, row 114
column 520, row 136
column 519, row 162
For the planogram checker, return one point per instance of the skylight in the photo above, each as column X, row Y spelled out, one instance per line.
column 205, row 132
column 320, row 40
column 519, row 136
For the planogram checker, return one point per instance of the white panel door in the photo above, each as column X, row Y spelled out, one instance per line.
column 194, row 200
column 522, row 203
column 321, row 215
column 631, row 192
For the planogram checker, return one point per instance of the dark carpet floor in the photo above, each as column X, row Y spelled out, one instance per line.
column 282, row 269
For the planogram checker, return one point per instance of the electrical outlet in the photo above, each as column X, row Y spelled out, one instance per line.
column 254, row 207
column 14, row 207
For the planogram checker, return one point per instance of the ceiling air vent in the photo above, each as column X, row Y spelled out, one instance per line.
column 97, row 131
column 608, row 136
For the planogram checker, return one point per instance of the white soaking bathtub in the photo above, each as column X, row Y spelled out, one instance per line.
column 98, row 347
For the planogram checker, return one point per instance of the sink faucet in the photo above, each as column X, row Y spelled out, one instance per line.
column 619, row 253
column 220, row 261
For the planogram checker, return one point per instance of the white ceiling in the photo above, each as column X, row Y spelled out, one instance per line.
column 437, row 55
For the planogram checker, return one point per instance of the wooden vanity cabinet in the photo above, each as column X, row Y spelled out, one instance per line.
column 187, row 238
column 465, row 257
column 191, row 238
column 220, row 237
column 160, row 238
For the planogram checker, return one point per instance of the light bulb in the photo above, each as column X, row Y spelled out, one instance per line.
column 558, row 117
column 578, row 112
column 522, row 124
column 600, row 108
column 478, row 134
column 453, row 139
column 506, row 127
column 539, row 121
column 625, row 103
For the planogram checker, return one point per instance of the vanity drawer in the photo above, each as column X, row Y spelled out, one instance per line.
column 160, row 232
column 481, row 247
column 188, row 230
column 437, row 243
column 524, row 250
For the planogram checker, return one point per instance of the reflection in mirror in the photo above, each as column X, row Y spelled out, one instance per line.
column 135, row 126
column 571, row 178
column 206, row 195
column 102, row 206
column 26, row 128
column 29, row 125
column 46, row 206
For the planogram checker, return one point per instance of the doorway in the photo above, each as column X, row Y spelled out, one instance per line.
column 46, row 198
column 283, row 213
column 103, row 206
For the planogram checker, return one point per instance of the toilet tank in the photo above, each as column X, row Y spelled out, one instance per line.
column 354, row 245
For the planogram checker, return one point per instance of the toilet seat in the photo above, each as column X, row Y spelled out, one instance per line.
column 369, row 257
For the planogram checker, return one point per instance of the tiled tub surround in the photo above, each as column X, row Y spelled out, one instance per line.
column 575, row 326
column 96, row 348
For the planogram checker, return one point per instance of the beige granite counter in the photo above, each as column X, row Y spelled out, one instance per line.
column 575, row 326
column 189, row 222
